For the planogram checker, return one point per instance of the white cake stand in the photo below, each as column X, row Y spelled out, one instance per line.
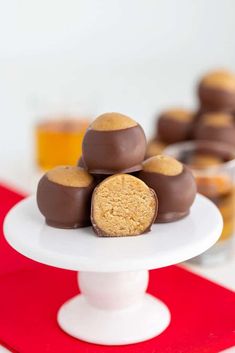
column 113, row 308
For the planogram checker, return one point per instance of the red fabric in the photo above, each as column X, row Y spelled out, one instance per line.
column 203, row 313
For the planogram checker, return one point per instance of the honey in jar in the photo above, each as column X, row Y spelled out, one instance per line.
column 59, row 142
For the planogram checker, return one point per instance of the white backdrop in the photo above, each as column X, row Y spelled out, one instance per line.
column 132, row 56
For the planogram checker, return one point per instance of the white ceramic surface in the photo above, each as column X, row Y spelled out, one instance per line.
column 82, row 250
column 113, row 308
column 133, row 325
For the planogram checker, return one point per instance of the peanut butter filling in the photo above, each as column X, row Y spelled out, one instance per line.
column 217, row 119
column 123, row 205
column 154, row 148
column 221, row 79
column 70, row 176
column 179, row 114
column 199, row 161
column 112, row 121
column 163, row 164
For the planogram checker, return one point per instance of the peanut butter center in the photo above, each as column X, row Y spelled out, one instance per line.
column 163, row 164
column 112, row 121
column 70, row 176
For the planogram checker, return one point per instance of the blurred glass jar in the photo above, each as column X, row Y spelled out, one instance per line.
column 59, row 141
column 59, row 124
column 213, row 165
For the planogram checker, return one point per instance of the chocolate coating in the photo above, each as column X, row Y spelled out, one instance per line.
column 81, row 163
column 215, row 99
column 172, row 130
column 116, row 151
column 175, row 193
column 198, row 117
column 64, row 206
column 98, row 177
column 225, row 134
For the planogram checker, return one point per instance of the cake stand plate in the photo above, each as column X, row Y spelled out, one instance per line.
column 113, row 308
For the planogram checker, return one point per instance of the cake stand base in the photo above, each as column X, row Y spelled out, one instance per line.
column 136, row 324
column 119, row 311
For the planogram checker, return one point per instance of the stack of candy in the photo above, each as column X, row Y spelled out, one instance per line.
column 113, row 188
column 213, row 121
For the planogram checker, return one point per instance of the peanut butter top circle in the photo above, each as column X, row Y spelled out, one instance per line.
column 220, row 79
column 178, row 114
column 217, row 119
column 163, row 164
column 112, row 121
column 70, row 176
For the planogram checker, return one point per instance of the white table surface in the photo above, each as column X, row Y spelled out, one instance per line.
column 24, row 178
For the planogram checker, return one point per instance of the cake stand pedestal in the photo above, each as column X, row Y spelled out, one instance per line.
column 113, row 307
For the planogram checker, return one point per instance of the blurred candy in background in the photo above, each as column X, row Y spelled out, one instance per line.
column 210, row 154
column 213, row 165
column 212, row 120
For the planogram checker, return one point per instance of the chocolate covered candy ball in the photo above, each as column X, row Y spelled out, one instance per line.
column 64, row 197
column 216, row 127
column 98, row 177
column 175, row 125
column 113, row 143
column 174, row 185
column 123, row 205
column 216, row 91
